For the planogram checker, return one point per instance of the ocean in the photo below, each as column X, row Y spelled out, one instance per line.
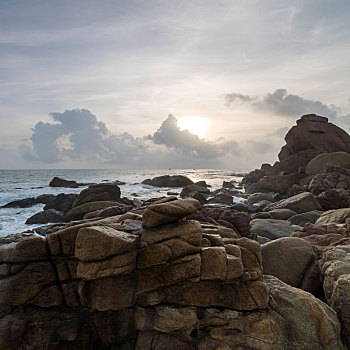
column 20, row 184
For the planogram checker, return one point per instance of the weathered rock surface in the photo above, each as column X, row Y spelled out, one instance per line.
column 78, row 212
column 337, row 216
column 173, row 211
column 304, row 218
column 300, row 203
column 169, row 181
column 317, row 164
column 293, row 261
column 98, row 192
column 336, row 283
column 62, row 202
column 60, row 182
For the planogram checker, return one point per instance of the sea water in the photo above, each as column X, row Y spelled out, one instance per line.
column 20, row 184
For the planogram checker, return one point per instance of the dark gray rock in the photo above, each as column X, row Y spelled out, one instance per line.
column 59, row 182
column 169, row 181
column 45, row 216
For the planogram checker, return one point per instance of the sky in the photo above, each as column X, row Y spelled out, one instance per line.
column 106, row 84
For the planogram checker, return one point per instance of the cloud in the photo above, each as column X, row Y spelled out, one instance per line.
column 281, row 132
column 280, row 102
column 169, row 134
column 78, row 135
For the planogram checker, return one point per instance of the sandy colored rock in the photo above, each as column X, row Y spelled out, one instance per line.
column 100, row 242
column 160, row 214
column 26, row 284
column 78, row 212
column 300, row 317
column 26, row 248
column 213, row 263
column 115, row 266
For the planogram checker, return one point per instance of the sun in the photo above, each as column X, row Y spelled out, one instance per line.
column 195, row 125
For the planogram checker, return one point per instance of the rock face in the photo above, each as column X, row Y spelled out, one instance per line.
column 313, row 135
column 119, row 283
column 59, row 182
column 169, row 181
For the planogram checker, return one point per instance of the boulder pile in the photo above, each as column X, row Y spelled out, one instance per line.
column 156, row 281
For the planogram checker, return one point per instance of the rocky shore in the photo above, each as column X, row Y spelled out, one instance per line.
column 196, row 272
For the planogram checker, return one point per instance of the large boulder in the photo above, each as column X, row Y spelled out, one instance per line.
column 169, row 181
column 293, row 261
column 304, row 218
column 45, row 216
column 60, row 182
column 98, row 192
column 78, row 212
column 300, row 203
column 317, row 164
column 303, row 321
column 62, row 202
column 165, row 213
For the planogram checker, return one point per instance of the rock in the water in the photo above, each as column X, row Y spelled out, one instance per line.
column 291, row 259
column 62, row 202
column 159, row 214
column 46, row 216
column 271, row 228
column 317, row 164
column 186, row 191
column 300, row 203
column 169, row 181
column 59, row 182
column 98, row 192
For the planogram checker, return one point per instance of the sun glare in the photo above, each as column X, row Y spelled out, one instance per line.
column 195, row 125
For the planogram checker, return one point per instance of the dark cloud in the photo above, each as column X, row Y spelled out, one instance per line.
column 281, row 103
column 78, row 135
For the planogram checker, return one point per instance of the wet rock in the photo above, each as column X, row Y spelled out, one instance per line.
column 46, row 216
column 62, row 202
column 60, row 182
column 169, row 181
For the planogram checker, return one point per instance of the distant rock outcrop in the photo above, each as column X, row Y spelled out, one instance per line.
column 169, row 181
column 60, row 182
column 305, row 153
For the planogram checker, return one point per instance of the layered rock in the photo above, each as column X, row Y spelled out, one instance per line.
column 158, row 283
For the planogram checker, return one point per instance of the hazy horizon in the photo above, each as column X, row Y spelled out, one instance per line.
column 90, row 85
